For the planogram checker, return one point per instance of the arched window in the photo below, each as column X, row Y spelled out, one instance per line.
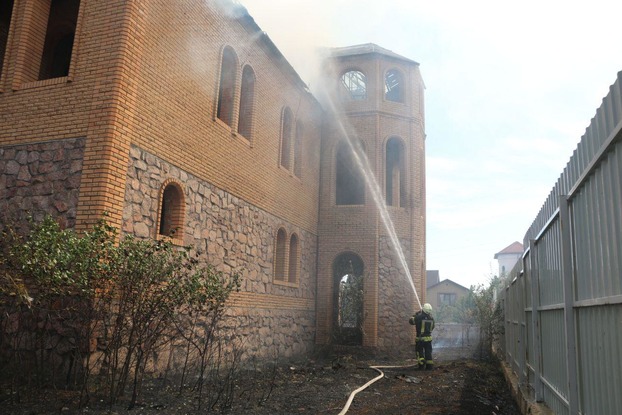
column 6, row 10
column 292, row 275
column 350, row 183
column 280, row 255
column 395, row 174
column 59, row 38
column 228, row 73
column 298, row 149
column 354, row 85
column 247, row 99
column 171, row 211
column 286, row 137
column 394, row 86
column 348, row 299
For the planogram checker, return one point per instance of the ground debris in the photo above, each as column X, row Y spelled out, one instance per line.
column 460, row 387
column 408, row 379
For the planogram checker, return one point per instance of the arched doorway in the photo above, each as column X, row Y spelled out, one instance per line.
column 348, row 299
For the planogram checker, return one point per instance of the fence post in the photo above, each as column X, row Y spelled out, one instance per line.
column 522, row 327
column 507, row 311
column 535, row 321
column 569, row 297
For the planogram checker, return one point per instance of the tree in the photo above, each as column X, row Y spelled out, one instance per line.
column 488, row 314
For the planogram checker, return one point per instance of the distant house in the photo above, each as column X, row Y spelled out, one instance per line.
column 445, row 292
column 508, row 257
column 432, row 277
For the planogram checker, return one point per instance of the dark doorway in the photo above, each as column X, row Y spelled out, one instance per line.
column 348, row 300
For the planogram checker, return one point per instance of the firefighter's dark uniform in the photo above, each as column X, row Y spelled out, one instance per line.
column 424, row 324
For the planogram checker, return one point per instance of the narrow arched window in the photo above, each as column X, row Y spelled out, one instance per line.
column 228, row 73
column 59, row 37
column 292, row 275
column 395, row 174
column 350, row 183
column 286, row 138
column 280, row 255
column 247, row 99
column 298, row 149
column 171, row 211
column 354, row 85
column 6, row 10
column 394, row 86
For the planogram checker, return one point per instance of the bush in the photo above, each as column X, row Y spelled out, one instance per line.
column 67, row 296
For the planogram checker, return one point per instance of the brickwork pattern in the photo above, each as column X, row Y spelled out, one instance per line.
column 176, row 75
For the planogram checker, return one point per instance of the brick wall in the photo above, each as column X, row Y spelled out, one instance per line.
column 144, row 80
column 175, row 75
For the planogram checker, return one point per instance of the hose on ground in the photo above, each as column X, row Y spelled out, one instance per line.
column 365, row 386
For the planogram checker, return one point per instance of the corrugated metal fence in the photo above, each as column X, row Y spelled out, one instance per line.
column 563, row 301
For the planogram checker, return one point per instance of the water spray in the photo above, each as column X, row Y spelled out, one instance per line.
column 372, row 184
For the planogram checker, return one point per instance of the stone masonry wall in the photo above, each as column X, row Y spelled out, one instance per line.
column 396, row 300
column 273, row 318
column 38, row 179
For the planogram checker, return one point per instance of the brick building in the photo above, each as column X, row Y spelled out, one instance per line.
column 182, row 119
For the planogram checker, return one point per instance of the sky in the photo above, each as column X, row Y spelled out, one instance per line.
column 510, row 89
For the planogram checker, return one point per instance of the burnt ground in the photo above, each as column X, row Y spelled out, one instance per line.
column 457, row 386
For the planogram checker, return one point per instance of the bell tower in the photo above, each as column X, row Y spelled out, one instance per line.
column 372, row 197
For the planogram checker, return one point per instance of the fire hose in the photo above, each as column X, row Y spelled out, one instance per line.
column 365, row 386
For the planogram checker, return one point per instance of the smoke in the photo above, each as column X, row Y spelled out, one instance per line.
column 300, row 29
column 230, row 8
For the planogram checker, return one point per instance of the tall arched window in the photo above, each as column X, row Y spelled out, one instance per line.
column 350, row 183
column 394, row 86
column 298, row 149
column 286, row 137
column 348, row 299
column 280, row 255
column 292, row 275
column 354, row 85
column 395, row 174
column 59, row 37
column 171, row 211
column 228, row 74
column 247, row 99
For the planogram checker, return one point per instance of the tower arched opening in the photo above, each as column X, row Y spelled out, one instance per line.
column 348, row 299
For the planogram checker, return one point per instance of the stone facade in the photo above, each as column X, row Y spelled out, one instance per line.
column 233, row 236
column 397, row 300
column 39, row 179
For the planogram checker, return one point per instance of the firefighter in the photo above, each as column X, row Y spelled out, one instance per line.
column 424, row 324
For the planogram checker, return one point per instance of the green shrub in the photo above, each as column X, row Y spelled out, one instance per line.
column 58, row 287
